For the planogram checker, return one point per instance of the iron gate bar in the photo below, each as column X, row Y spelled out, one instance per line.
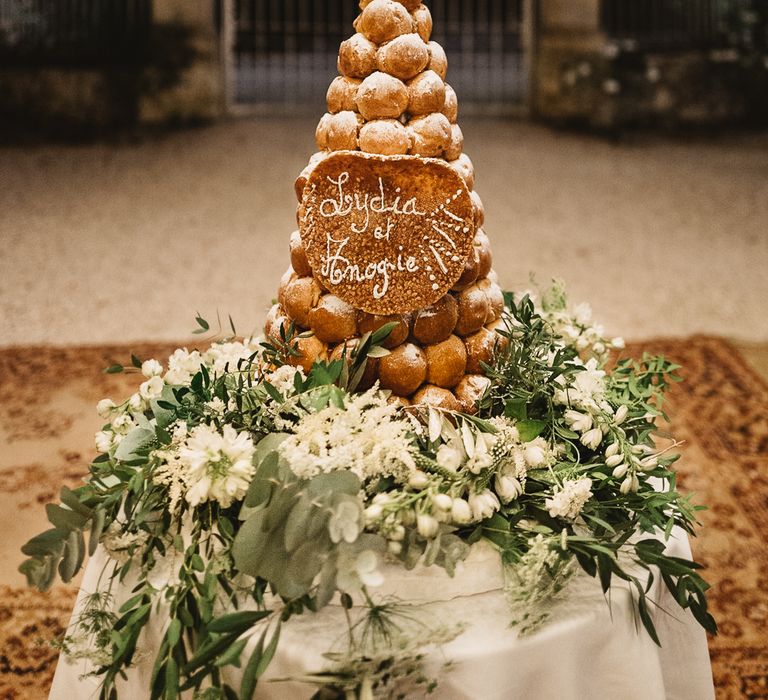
column 283, row 52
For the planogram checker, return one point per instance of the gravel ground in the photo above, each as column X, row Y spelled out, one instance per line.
column 125, row 242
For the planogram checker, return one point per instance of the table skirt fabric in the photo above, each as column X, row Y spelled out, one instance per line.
column 588, row 650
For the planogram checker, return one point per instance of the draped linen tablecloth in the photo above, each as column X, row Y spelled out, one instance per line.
column 586, row 651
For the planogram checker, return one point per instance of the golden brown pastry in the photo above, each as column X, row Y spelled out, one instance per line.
column 469, row 275
column 321, row 133
column 381, row 96
column 426, row 94
column 473, row 310
column 470, row 390
column 333, row 320
column 276, row 320
column 430, row 135
column 463, row 166
column 455, row 148
column 403, row 57
column 310, row 350
column 300, row 297
column 480, row 348
column 482, row 245
column 408, row 4
column 446, row 362
column 430, row 395
column 423, row 18
column 435, row 323
column 495, row 299
column 479, row 209
column 383, row 20
column 399, row 401
column 342, row 130
column 451, row 105
column 438, row 61
column 341, row 94
column 299, row 260
column 369, row 323
column 357, row 57
column 288, row 276
column 403, row 370
column 388, row 137
column 371, row 372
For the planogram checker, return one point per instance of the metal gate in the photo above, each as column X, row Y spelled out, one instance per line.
column 282, row 53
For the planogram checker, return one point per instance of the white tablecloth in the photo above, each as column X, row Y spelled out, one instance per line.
column 587, row 651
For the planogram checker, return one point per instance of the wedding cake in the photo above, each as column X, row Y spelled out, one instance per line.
column 390, row 227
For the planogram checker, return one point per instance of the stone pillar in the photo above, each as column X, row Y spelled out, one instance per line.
column 184, row 80
column 569, row 47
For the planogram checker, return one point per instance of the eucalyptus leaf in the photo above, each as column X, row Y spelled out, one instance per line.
column 135, row 445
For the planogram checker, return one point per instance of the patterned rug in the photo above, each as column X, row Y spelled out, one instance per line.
column 47, row 421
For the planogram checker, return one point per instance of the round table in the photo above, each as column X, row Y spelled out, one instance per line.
column 587, row 650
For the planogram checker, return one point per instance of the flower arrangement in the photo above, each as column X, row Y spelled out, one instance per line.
column 236, row 492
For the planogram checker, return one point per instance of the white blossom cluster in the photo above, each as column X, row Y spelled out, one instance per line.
column 366, row 436
column 569, row 499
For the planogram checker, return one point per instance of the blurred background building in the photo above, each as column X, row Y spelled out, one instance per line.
column 79, row 66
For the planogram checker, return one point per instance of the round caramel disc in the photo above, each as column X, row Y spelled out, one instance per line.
column 387, row 234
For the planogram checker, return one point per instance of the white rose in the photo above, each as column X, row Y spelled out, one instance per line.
column 105, row 407
column 151, row 368
column 152, row 388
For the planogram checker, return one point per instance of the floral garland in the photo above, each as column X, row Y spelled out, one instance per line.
column 240, row 492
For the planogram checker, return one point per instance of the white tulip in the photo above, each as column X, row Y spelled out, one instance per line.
column 592, row 438
column 427, row 526
column 461, row 513
column 508, row 488
column 484, row 504
column 626, row 485
column 418, row 480
column 620, row 471
column 442, row 501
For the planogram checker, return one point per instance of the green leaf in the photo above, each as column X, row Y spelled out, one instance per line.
column 258, row 663
column 516, row 408
column 135, row 361
column 48, row 542
column 530, row 429
column 203, row 325
column 232, row 655
column 174, row 632
column 135, row 445
column 114, row 369
column 264, row 481
column 237, row 621
column 63, row 518
column 70, row 499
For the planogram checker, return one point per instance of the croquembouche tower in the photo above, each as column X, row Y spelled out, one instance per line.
column 390, row 226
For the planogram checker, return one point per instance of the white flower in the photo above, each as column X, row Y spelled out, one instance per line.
column 151, row 368
column 427, row 526
column 582, row 313
column 354, row 572
column 535, row 454
column 105, row 407
column 283, row 378
column 216, row 405
column 152, row 388
column 344, row 523
column 418, row 480
column 120, row 545
column 104, row 440
column 508, row 488
column 461, row 513
column 165, row 572
column 373, row 513
column 613, row 460
column 621, row 414
column 182, row 366
column 620, row 471
column 450, row 457
column 367, row 437
column 234, row 356
column 568, row 500
column 217, row 465
column 612, row 449
column 442, row 501
column 483, row 505
column 592, row 438
column 136, row 403
column 580, row 422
